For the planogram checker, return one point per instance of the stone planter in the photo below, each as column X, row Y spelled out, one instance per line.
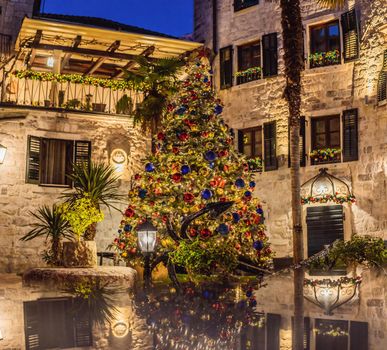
column 80, row 254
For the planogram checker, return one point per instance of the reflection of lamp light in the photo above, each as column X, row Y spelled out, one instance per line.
column 50, row 62
column 3, row 152
column 120, row 329
column 330, row 294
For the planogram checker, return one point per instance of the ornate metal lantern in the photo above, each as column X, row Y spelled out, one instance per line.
column 324, row 188
column 330, row 294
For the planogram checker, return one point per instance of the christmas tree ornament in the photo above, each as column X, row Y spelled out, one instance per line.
column 240, row 183
column 223, row 229
column 258, row 245
column 185, row 169
column 149, row 167
column 206, row 194
column 210, row 156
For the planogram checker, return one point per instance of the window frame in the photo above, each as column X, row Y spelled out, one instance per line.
column 252, row 131
column 238, row 5
column 255, row 76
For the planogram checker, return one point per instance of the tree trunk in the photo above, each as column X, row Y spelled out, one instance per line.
column 56, row 251
column 292, row 42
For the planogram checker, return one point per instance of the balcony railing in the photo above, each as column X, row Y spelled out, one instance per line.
column 5, row 47
column 322, row 59
column 68, row 95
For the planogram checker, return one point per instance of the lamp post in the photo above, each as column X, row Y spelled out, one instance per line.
column 147, row 234
column 3, row 152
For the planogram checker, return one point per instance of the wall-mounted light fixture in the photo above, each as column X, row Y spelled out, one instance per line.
column 50, row 61
column 120, row 329
column 3, row 152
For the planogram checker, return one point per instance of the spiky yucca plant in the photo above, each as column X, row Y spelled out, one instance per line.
column 98, row 182
column 51, row 224
column 160, row 77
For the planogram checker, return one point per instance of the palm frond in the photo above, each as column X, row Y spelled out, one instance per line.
column 332, row 4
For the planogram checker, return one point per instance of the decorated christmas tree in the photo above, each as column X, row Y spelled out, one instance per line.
column 195, row 164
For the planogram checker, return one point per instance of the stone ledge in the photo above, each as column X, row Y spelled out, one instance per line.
column 123, row 276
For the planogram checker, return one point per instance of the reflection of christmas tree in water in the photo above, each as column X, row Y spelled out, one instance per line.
column 195, row 164
column 205, row 318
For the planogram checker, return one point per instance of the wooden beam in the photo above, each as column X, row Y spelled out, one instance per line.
column 146, row 53
column 87, row 52
column 113, row 47
column 66, row 57
column 36, row 41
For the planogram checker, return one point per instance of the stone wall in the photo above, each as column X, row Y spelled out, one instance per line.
column 326, row 91
column 18, row 198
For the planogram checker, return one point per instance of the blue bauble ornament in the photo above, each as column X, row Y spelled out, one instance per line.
column 258, row 245
column 249, row 293
column 239, row 183
column 212, row 165
column 259, row 211
column 247, row 194
column 223, row 229
column 207, row 294
column 205, row 79
column 210, row 156
column 128, row 228
column 252, row 303
column 142, row 193
column 206, row 194
column 181, row 110
column 252, row 184
column 236, row 217
column 218, row 109
column 185, row 169
column 149, row 167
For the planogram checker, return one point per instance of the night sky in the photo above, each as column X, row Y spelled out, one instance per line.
column 174, row 17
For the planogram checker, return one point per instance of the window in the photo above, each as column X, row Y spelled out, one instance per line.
column 325, row 44
column 64, row 327
column 325, row 135
column 49, row 161
column 242, row 4
column 249, row 63
column 226, row 67
column 382, row 81
column 325, row 224
column 252, row 146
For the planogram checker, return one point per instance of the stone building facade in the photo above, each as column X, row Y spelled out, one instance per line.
column 245, row 35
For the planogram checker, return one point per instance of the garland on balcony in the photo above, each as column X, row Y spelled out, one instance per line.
column 249, row 71
column 332, row 283
column 324, row 58
column 80, row 79
column 324, row 153
column 336, row 198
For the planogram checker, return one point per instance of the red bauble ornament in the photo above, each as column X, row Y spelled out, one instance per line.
column 205, row 233
column 161, row 136
column 177, row 177
column 205, row 134
column 188, row 197
column 137, row 177
column 192, row 232
column 183, row 136
column 129, row 212
column 175, row 150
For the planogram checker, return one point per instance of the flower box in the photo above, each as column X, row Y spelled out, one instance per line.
column 325, row 155
column 322, row 59
column 249, row 74
column 255, row 165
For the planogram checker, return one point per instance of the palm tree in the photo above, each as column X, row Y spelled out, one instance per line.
column 159, row 80
column 51, row 224
column 291, row 22
column 98, row 182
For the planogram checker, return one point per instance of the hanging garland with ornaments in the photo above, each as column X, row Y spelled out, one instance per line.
column 339, row 199
column 195, row 164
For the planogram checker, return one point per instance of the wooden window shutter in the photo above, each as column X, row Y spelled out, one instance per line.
column 270, row 54
column 33, row 159
column 82, row 326
column 31, row 325
column 302, row 142
column 324, row 226
column 82, row 152
column 273, row 323
column 270, row 146
column 226, row 67
column 240, row 141
column 350, row 135
column 382, row 81
column 350, row 26
column 358, row 334
column 307, row 331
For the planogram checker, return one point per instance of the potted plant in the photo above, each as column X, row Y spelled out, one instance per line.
column 54, row 227
column 324, row 155
column 80, row 214
column 95, row 184
column 124, row 105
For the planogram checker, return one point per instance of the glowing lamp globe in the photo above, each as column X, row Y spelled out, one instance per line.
column 3, row 152
column 147, row 234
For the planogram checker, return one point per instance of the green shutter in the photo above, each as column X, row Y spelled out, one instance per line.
column 273, row 324
column 350, row 27
column 382, row 80
column 358, row 335
column 33, row 159
column 350, row 135
column 226, row 67
column 82, row 152
column 270, row 146
column 270, row 54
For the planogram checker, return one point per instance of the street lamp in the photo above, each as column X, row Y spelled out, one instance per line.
column 3, row 152
column 146, row 234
